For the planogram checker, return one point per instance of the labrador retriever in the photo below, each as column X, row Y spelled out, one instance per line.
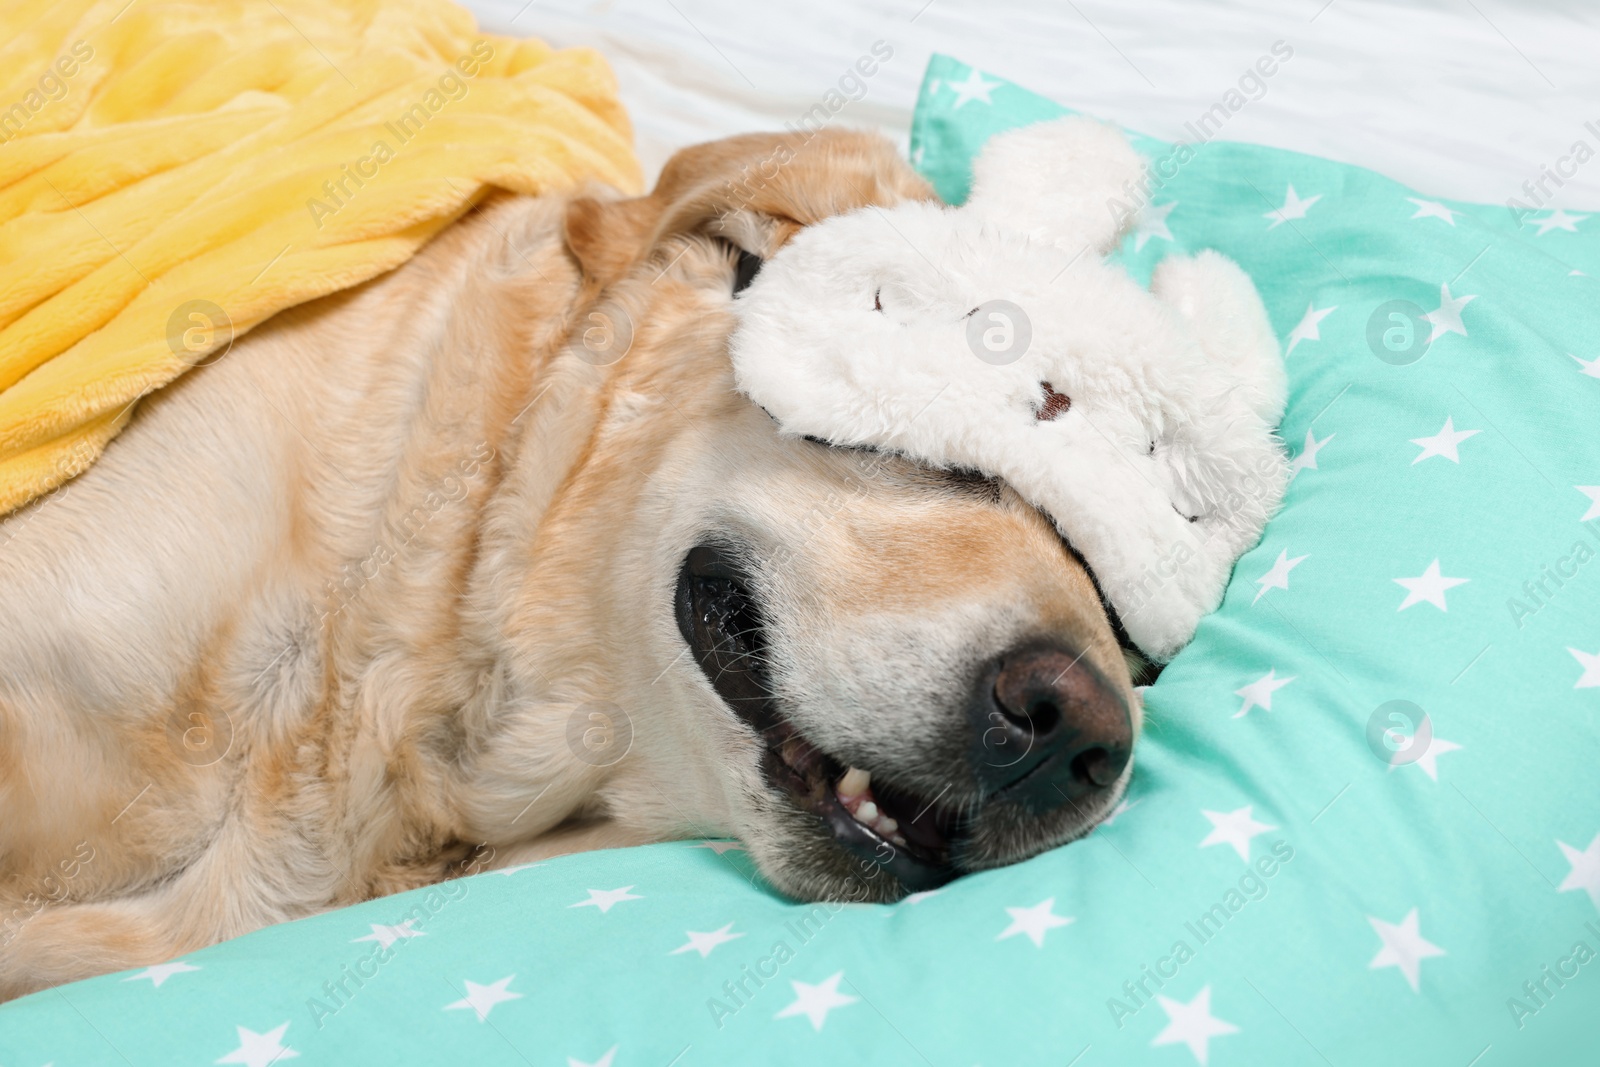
column 487, row 560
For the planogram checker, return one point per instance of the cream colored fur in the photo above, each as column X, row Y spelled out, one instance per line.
column 318, row 625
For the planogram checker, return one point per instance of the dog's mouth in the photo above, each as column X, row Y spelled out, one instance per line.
column 908, row 835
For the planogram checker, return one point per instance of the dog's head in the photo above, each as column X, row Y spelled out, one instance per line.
column 877, row 674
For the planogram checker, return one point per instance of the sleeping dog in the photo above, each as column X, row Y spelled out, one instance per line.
column 487, row 560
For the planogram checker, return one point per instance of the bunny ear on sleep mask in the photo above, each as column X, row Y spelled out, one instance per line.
column 993, row 336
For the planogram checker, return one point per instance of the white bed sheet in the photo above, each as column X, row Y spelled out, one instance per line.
column 1460, row 98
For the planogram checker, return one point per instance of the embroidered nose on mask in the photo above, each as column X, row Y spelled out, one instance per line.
column 1055, row 404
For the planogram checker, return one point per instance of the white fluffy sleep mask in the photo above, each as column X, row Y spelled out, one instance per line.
column 994, row 336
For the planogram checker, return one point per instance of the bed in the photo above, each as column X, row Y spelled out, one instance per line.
column 1364, row 827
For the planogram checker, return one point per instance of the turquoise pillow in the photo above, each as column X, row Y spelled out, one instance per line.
column 1365, row 822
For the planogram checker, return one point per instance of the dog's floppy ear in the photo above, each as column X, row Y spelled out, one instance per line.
column 607, row 236
column 755, row 191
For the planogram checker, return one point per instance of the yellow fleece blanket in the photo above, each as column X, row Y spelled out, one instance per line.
column 172, row 173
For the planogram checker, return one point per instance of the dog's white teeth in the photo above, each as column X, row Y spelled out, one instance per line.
column 865, row 810
column 853, row 784
column 855, row 793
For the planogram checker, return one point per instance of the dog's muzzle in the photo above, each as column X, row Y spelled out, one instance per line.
column 1046, row 733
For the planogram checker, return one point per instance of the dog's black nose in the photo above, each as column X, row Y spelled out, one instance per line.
column 1049, row 729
